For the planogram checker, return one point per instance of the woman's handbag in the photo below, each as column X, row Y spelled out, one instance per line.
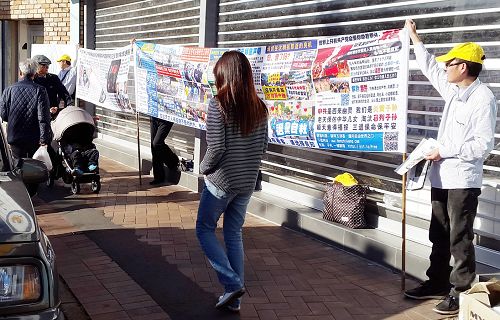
column 345, row 204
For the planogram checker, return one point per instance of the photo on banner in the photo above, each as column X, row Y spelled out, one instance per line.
column 346, row 92
column 288, row 92
column 172, row 83
column 102, row 78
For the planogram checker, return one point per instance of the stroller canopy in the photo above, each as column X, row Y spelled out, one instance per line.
column 69, row 117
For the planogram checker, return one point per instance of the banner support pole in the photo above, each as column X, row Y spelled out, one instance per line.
column 138, row 148
column 403, row 229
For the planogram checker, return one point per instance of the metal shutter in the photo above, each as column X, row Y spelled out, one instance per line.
column 158, row 21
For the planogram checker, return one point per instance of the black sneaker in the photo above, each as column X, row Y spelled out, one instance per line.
column 449, row 305
column 427, row 291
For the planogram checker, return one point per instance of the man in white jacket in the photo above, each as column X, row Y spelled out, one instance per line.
column 465, row 137
column 67, row 75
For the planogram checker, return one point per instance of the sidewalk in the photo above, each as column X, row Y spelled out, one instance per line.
column 131, row 252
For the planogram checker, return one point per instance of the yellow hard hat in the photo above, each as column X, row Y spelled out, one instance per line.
column 64, row 57
column 346, row 179
column 468, row 51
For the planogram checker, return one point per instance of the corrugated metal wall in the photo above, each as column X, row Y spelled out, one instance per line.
column 442, row 23
column 158, row 21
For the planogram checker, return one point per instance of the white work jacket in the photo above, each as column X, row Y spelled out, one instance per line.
column 466, row 131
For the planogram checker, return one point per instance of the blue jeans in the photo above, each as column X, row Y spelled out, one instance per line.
column 227, row 263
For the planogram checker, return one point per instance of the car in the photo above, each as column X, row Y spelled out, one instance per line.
column 28, row 275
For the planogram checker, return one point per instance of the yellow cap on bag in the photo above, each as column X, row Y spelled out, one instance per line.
column 346, row 179
column 468, row 51
column 64, row 57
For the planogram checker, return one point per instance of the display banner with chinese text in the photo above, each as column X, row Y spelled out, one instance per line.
column 102, row 78
column 344, row 93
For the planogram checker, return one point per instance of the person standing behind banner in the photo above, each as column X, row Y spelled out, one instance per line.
column 162, row 154
column 465, row 137
column 236, row 141
column 160, row 151
column 67, row 75
column 55, row 88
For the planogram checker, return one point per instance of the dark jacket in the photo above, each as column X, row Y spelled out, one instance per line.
column 55, row 89
column 25, row 106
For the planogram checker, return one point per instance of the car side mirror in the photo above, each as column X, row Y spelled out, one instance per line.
column 34, row 171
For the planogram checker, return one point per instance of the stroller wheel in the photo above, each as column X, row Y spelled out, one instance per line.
column 67, row 178
column 75, row 187
column 96, row 186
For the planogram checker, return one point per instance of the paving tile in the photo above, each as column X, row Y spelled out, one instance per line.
column 139, row 304
column 100, row 307
column 267, row 314
column 122, row 315
column 133, row 299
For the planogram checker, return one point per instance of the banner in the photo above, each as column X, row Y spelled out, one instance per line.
column 103, row 77
column 361, row 86
column 54, row 52
column 171, row 83
column 343, row 93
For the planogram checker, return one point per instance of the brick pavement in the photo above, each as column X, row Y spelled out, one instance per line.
column 288, row 275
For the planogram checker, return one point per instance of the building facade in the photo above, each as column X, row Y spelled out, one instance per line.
column 295, row 174
column 27, row 22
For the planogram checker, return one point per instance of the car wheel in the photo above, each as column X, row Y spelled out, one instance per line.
column 75, row 187
column 96, row 186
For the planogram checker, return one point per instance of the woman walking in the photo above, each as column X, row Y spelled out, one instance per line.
column 236, row 142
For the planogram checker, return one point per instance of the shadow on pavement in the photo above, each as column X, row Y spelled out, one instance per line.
column 175, row 293
column 70, row 306
column 61, row 199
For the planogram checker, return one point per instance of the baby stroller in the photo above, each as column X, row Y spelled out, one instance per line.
column 73, row 134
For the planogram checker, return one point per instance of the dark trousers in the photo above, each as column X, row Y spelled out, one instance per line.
column 20, row 151
column 82, row 155
column 52, row 155
column 451, row 233
column 161, row 153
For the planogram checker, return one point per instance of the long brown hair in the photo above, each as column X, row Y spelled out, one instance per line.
column 236, row 92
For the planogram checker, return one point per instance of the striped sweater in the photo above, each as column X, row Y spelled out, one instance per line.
column 232, row 160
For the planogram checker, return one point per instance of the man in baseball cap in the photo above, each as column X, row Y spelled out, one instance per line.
column 55, row 88
column 67, row 75
column 465, row 138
